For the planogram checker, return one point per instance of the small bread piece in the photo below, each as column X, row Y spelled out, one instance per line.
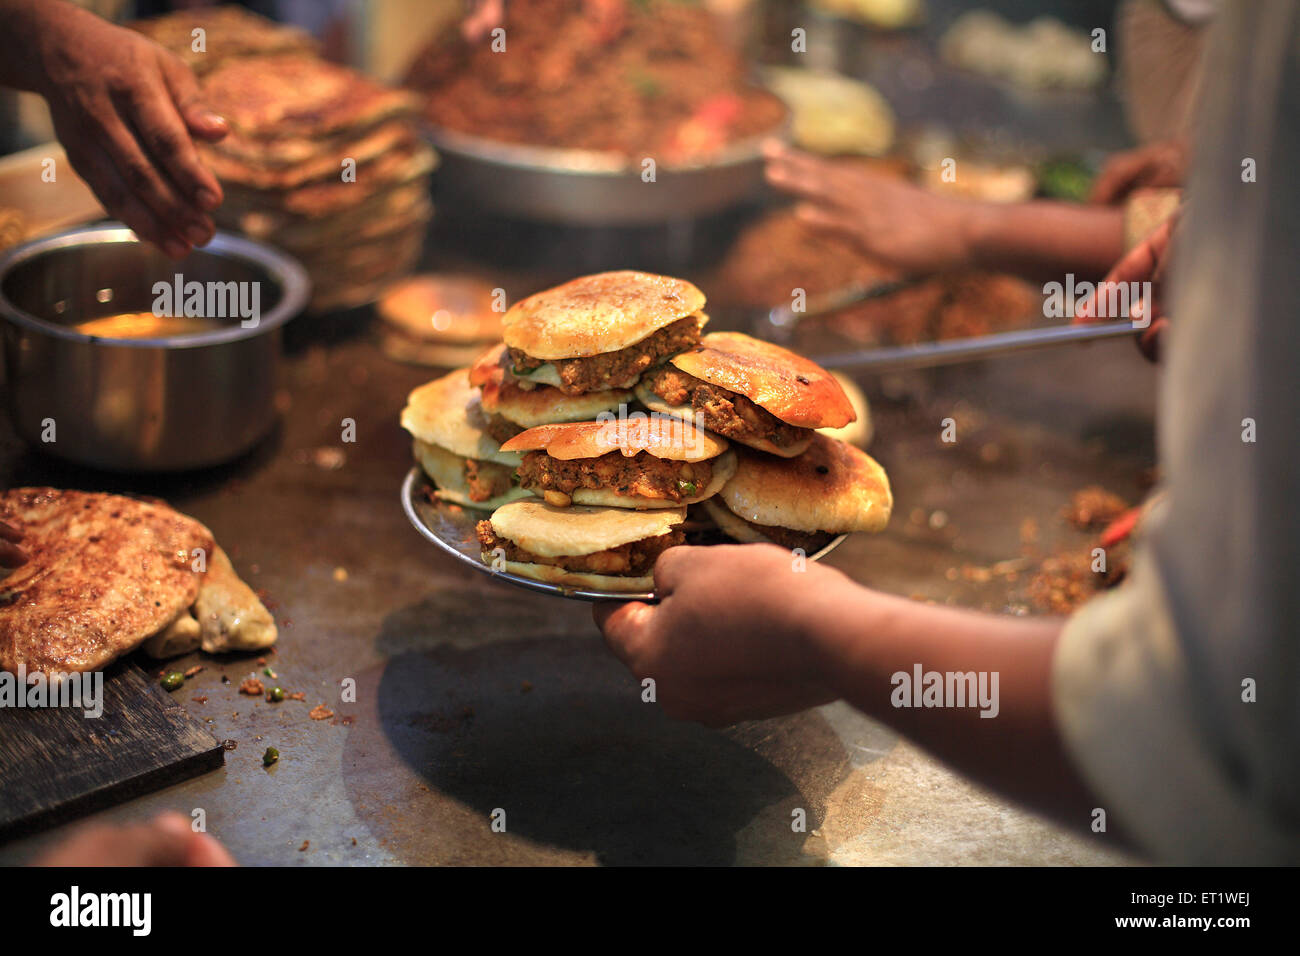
column 447, row 412
column 661, row 436
column 598, row 313
column 794, row 389
column 448, row 473
column 550, row 532
column 832, row 487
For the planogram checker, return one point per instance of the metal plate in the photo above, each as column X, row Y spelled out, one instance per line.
column 451, row 528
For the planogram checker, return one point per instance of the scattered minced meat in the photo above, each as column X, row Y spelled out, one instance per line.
column 320, row 712
column 632, row 559
column 487, row 479
column 640, row 474
column 502, row 429
column 615, row 369
column 252, row 687
column 723, row 411
column 1092, row 508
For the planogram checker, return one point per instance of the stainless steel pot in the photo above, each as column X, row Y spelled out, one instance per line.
column 140, row 404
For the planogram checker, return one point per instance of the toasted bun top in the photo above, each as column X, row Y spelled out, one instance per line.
column 442, row 309
column 661, row 436
column 831, row 487
column 598, row 313
column 550, row 532
column 446, row 412
column 794, row 389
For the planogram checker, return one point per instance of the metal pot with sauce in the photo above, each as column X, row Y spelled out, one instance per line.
column 119, row 358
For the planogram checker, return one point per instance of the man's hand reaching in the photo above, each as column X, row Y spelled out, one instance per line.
column 126, row 111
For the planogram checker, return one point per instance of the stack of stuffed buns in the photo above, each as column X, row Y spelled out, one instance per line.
column 607, row 424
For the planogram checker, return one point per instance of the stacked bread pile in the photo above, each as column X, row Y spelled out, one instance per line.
column 320, row 160
column 207, row 36
column 606, row 417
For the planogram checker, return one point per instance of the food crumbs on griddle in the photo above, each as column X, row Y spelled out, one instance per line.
column 202, row 699
column 298, row 695
column 354, row 841
column 193, row 670
column 275, row 695
column 173, row 680
column 271, row 756
column 261, row 662
column 252, row 687
column 1092, row 508
column 320, row 712
column 305, row 844
column 229, row 744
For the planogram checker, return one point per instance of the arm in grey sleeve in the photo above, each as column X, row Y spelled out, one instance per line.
column 1179, row 694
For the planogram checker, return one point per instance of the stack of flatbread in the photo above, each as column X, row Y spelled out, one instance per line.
column 207, row 36
column 107, row 574
column 320, row 160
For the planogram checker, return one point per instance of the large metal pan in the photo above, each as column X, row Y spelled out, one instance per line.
column 592, row 188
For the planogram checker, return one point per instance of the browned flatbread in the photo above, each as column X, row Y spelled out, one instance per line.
column 105, row 573
column 386, row 212
column 319, row 200
column 794, row 389
column 230, row 31
column 325, row 163
column 286, row 96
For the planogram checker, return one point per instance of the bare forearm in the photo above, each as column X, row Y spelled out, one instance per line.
column 862, row 640
column 1045, row 240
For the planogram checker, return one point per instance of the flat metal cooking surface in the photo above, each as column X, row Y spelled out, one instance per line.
column 472, row 697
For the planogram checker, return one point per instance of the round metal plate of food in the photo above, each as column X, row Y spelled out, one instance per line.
column 451, row 528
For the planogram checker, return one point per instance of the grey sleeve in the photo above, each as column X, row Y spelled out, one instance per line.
column 1179, row 694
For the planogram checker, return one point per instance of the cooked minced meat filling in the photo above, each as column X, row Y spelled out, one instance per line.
column 634, row 559
column 641, row 474
column 502, row 429
column 810, row 541
column 615, row 369
column 723, row 411
column 487, row 479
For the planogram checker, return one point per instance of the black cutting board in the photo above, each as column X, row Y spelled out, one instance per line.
column 55, row 764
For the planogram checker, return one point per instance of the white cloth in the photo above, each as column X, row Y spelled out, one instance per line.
column 1148, row 680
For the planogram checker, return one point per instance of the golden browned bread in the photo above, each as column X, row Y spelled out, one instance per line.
column 663, row 437
column 831, row 487
column 794, row 389
column 598, row 313
column 446, row 412
column 104, row 573
column 551, row 532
